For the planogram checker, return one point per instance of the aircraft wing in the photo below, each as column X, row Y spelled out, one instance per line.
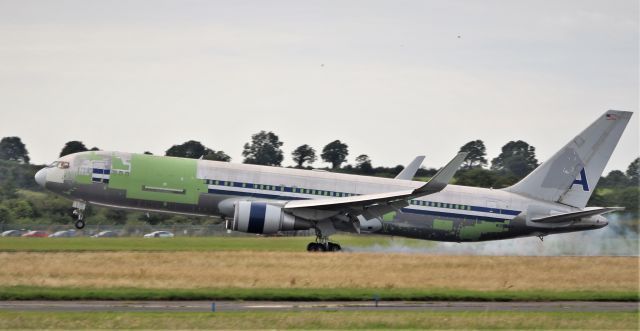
column 592, row 211
column 410, row 171
column 378, row 201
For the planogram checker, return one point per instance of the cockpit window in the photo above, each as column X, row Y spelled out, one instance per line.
column 63, row 165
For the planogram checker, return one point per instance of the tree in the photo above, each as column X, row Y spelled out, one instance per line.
column 335, row 153
column 629, row 198
column 95, row 149
column 517, row 158
column 212, row 155
column 8, row 189
column 477, row 177
column 12, row 149
column 633, row 172
column 117, row 216
column 424, row 172
column 5, row 215
column 191, row 149
column 363, row 163
column 477, row 152
column 147, row 153
column 73, row 146
column 264, row 149
column 304, row 154
column 615, row 178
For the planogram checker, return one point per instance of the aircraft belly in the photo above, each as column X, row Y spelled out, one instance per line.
column 450, row 228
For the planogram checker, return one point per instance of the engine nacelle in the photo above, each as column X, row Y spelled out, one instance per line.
column 369, row 225
column 261, row 217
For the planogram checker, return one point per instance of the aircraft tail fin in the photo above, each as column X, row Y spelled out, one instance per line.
column 571, row 175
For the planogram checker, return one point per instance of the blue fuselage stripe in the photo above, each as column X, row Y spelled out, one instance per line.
column 452, row 215
column 495, row 210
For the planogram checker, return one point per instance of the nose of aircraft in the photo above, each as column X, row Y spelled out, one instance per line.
column 41, row 177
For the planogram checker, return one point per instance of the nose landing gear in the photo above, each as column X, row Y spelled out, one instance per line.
column 77, row 214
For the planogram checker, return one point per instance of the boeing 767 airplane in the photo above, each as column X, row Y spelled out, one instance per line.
column 265, row 200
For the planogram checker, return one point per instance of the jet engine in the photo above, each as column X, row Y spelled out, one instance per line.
column 261, row 217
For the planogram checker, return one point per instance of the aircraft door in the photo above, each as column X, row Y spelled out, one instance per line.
column 495, row 206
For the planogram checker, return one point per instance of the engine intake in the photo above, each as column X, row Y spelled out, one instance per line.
column 261, row 217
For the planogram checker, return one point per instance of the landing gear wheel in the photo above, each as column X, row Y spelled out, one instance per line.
column 316, row 247
column 320, row 247
column 333, row 247
column 79, row 224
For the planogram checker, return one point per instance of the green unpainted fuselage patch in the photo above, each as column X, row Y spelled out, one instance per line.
column 150, row 174
column 117, row 164
column 473, row 232
column 388, row 217
column 83, row 179
column 443, row 225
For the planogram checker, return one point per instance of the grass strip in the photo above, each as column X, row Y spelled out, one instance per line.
column 305, row 294
column 285, row 244
column 335, row 320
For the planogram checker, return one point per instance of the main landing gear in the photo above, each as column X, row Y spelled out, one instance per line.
column 77, row 214
column 326, row 247
column 322, row 244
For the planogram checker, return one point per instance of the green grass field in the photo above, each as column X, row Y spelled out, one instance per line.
column 305, row 294
column 327, row 320
column 286, row 244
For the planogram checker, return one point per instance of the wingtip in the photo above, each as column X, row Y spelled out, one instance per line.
column 620, row 113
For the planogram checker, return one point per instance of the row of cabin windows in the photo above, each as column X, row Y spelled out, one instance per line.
column 439, row 204
column 280, row 188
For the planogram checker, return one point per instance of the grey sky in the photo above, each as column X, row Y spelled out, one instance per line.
column 392, row 79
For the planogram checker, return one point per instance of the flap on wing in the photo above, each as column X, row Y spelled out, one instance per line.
column 579, row 214
column 410, row 171
column 436, row 184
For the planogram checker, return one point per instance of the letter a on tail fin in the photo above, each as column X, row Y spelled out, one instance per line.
column 571, row 175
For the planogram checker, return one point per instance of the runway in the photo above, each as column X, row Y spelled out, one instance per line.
column 234, row 306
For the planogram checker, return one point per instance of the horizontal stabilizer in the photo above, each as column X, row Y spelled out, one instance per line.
column 410, row 171
column 576, row 215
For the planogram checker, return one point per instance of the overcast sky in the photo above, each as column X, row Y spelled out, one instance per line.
column 392, row 79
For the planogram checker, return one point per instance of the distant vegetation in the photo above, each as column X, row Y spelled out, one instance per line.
column 23, row 202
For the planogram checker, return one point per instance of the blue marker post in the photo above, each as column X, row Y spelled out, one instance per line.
column 376, row 298
column 213, row 307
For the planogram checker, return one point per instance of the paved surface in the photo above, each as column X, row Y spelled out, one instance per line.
column 205, row 306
